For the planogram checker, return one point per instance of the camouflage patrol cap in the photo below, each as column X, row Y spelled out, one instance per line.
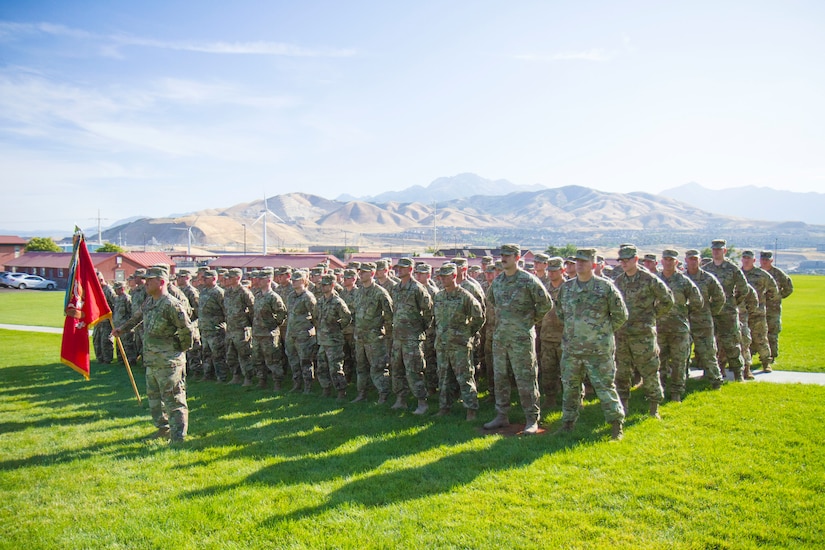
column 541, row 258
column 510, row 249
column 529, row 265
column 719, row 243
column 498, row 265
column 367, row 266
column 650, row 257
column 211, row 273
column 748, row 254
column 555, row 263
column 447, row 270
column 570, row 260
column 380, row 264
column 328, row 279
column 586, row 254
column 459, row 261
column 282, row 270
column 692, row 253
column 140, row 273
column 474, row 268
column 487, row 260
column 157, row 273
column 315, row 271
column 599, row 259
column 298, row 275
column 119, row 285
column 222, row 271
column 266, row 273
column 350, row 274
column 338, row 270
column 491, row 268
column 423, row 268
column 627, row 251
column 202, row 268
column 353, row 265
column 670, row 253
column 766, row 254
column 405, row 262
column 234, row 272
column 183, row 273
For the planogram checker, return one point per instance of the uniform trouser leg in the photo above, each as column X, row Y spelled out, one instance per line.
column 516, row 353
column 293, row 358
column 408, row 368
column 431, row 376
column 641, row 351
column 704, row 346
column 550, row 369
column 601, row 369
column 349, row 356
column 166, row 392
column 726, row 329
column 745, row 342
column 674, row 350
column 371, row 354
column 214, row 352
column 759, row 338
column 307, row 351
column 330, row 367
column 774, row 320
column 455, row 361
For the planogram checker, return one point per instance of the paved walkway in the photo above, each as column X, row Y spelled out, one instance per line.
column 777, row 376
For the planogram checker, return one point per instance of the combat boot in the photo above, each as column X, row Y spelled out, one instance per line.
column 566, row 428
column 399, row 402
column 500, row 421
column 443, row 411
column 262, row 383
column 296, row 386
column 471, row 414
column 161, row 433
column 342, row 395
column 748, row 375
column 531, row 425
column 307, row 387
column 676, row 397
column 382, row 398
column 422, row 407
column 737, row 375
column 276, row 385
column 617, row 430
column 654, row 411
column 327, row 392
column 766, row 367
column 247, row 382
column 237, row 379
column 362, row 396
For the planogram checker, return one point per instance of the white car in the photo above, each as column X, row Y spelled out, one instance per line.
column 7, row 279
column 31, row 281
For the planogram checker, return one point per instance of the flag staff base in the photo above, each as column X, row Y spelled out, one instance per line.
column 126, row 362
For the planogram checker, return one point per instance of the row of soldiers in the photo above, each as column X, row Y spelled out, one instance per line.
column 407, row 333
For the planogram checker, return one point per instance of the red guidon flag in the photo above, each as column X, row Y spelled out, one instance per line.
column 85, row 306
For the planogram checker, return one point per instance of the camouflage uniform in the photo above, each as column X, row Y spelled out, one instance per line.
column 121, row 313
column 212, row 321
column 332, row 316
column 701, row 323
column 458, row 317
column 519, row 302
column 647, row 298
column 552, row 330
column 167, row 335
column 239, row 305
column 300, row 338
column 349, row 334
column 767, row 292
column 726, row 322
column 373, row 322
column 138, row 295
column 194, row 358
column 102, row 332
column 430, row 356
column 748, row 307
column 590, row 313
column 673, row 332
column 268, row 314
column 412, row 315
column 773, row 310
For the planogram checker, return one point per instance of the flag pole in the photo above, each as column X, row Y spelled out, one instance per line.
column 126, row 362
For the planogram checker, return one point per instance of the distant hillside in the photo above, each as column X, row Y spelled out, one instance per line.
column 756, row 203
column 445, row 189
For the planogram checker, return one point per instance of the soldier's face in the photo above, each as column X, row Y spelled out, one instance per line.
column 366, row 276
column 747, row 262
column 718, row 253
column 349, row 282
column 765, row 263
column 448, row 281
column 403, row 272
column 584, row 267
column 422, row 277
column 692, row 263
column 555, row 275
column 669, row 264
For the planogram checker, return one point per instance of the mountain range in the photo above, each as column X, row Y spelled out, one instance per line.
column 761, row 203
column 297, row 220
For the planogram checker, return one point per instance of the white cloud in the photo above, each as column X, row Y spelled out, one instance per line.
column 111, row 43
column 593, row 54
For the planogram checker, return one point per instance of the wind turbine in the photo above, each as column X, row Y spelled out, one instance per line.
column 188, row 230
column 263, row 215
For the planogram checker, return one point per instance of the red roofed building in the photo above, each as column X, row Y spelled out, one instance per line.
column 113, row 266
column 249, row 262
column 11, row 247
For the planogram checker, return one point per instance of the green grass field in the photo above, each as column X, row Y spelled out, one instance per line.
column 740, row 468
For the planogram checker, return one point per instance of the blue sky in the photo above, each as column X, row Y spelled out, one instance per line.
column 152, row 108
